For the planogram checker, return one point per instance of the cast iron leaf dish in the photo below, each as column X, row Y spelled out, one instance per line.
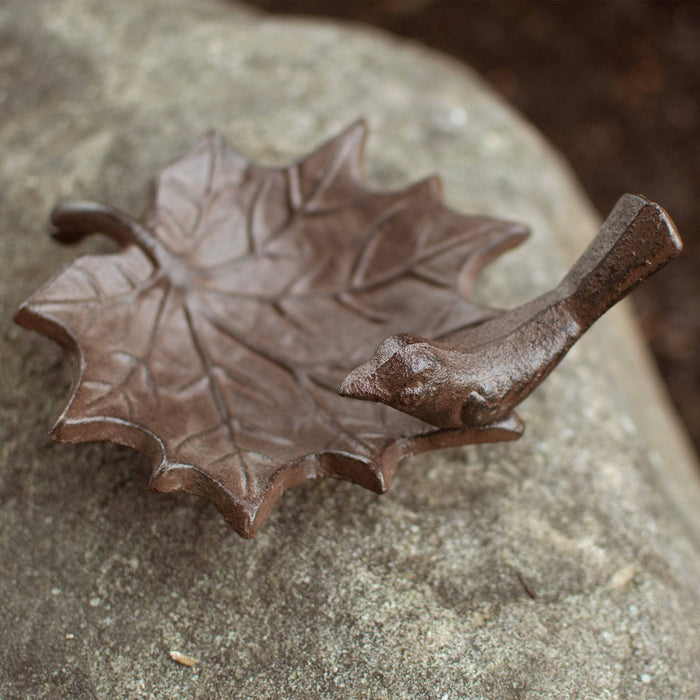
column 216, row 340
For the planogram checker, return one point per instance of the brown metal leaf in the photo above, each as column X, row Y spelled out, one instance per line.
column 216, row 340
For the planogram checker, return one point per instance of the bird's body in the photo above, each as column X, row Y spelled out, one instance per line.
column 475, row 377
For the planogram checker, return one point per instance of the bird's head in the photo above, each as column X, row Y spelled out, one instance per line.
column 403, row 368
column 420, row 377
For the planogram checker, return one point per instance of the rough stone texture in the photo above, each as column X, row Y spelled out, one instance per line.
column 565, row 565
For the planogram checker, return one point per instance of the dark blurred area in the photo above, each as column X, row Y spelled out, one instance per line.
column 616, row 87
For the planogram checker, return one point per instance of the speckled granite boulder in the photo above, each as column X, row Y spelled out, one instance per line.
column 564, row 565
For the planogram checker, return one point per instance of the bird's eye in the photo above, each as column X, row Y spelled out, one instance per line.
column 421, row 361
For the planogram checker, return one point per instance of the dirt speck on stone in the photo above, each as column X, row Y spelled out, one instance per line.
column 183, row 659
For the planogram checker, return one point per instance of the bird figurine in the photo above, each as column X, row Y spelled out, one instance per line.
column 476, row 376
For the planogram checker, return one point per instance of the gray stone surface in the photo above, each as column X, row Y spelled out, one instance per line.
column 564, row 565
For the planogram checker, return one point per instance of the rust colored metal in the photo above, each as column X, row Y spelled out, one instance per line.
column 477, row 376
column 216, row 339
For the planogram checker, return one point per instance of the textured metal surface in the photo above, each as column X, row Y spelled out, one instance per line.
column 216, row 341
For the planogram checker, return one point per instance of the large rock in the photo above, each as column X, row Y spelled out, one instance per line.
column 566, row 564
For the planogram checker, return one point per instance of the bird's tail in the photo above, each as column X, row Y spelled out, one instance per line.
column 636, row 240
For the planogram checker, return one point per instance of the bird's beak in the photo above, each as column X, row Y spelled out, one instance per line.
column 361, row 383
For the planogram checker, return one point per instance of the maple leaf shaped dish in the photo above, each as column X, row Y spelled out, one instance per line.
column 216, row 339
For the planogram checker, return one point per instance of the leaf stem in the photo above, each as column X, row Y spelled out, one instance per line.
column 70, row 222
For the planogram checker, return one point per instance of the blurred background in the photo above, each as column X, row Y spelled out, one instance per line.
column 615, row 86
